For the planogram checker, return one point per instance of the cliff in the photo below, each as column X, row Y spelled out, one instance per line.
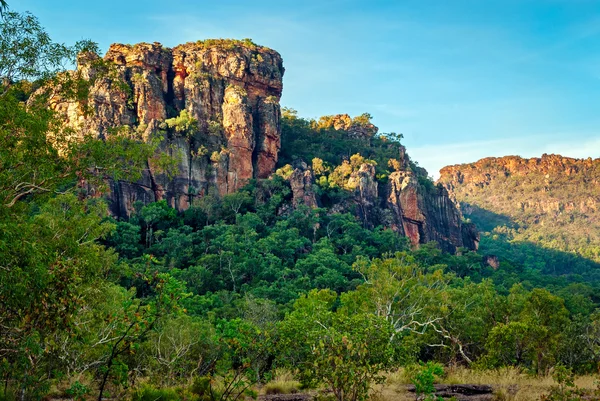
column 551, row 201
column 213, row 107
column 388, row 190
column 215, row 102
column 550, row 184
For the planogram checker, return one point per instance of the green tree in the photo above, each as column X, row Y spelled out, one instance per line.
column 133, row 323
column 406, row 295
column 48, row 262
column 533, row 334
column 49, row 255
column 345, row 352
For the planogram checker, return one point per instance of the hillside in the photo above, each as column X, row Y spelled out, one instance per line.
column 552, row 202
column 169, row 232
column 212, row 107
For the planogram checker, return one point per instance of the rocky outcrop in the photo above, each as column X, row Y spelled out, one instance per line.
column 213, row 106
column 302, row 182
column 550, row 202
column 461, row 392
column 226, row 93
column 426, row 213
column 358, row 127
column 482, row 172
column 410, row 205
column 537, row 184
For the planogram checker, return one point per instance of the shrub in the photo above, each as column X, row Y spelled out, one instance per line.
column 150, row 393
column 423, row 378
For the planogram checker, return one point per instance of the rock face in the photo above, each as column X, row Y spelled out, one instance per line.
column 230, row 90
column 213, row 106
column 550, row 202
column 422, row 212
column 549, row 174
column 302, row 181
column 483, row 171
column 427, row 214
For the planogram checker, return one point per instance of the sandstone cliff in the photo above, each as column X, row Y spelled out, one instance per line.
column 405, row 201
column 213, row 106
column 552, row 202
column 542, row 183
column 426, row 213
column 227, row 92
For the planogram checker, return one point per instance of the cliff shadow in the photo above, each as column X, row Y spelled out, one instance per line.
column 529, row 261
column 486, row 220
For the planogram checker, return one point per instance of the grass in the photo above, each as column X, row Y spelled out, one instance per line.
column 282, row 383
column 509, row 384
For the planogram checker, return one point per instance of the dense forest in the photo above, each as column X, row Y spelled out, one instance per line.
column 214, row 302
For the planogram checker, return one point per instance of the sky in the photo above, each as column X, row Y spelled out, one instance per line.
column 460, row 79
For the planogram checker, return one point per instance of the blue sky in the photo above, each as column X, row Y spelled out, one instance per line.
column 461, row 79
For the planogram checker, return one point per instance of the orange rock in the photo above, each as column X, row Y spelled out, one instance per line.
column 232, row 90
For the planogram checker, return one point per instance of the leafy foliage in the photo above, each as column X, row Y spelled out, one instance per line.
column 346, row 352
column 205, row 304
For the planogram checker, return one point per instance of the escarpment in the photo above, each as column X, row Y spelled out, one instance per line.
column 215, row 102
column 406, row 200
column 549, row 201
column 546, row 185
column 425, row 212
column 213, row 107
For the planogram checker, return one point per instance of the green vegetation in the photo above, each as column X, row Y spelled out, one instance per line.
column 183, row 124
column 211, row 303
column 308, row 139
column 423, row 379
column 231, row 44
column 547, row 222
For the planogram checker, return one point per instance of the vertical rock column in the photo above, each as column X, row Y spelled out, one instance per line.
column 237, row 125
column 268, row 137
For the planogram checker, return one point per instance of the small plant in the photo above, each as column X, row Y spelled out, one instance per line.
column 282, row 387
column 423, row 378
column 137, row 78
column 149, row 393
column 285, row 172
column 215, row 127
column 201, row 152
column 77, row 391
column 566, row 389
column 184, row 123
column 215, row 157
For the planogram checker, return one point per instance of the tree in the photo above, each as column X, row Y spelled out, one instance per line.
column 48, row 261
column 406, row 295
column 473, row 312
column 28, row 53
column 532, row 336
column 49, row 255
column 245, row 358
column 183, row 348
column 134, row 322
column 346, row 352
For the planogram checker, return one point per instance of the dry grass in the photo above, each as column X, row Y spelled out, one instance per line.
column 283, row 383
column 509, row 384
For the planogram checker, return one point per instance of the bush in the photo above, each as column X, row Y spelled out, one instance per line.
column 423, row 378
column 282, row 387
column 150, row 393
